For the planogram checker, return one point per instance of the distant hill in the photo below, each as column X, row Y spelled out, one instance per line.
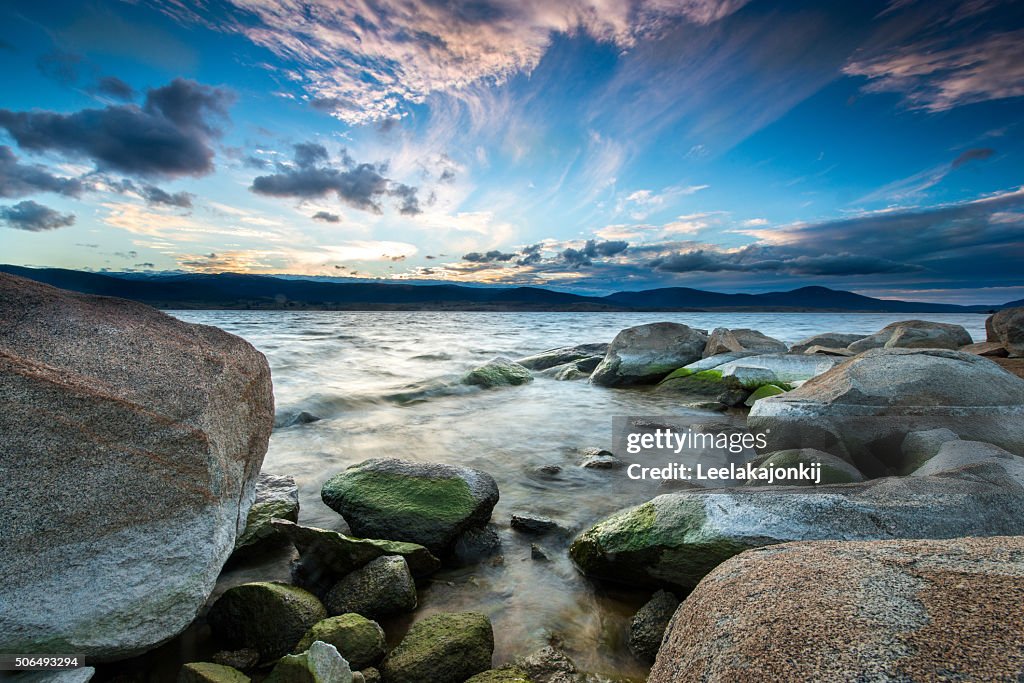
column 237, row 291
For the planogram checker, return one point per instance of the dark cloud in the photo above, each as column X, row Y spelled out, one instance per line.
column 62, row 67
column 978, row 154
column 530, row 255
column 19, row 180
column 585, row 256
column 489, row 257
column 114, row 87
column 28, row 215
column 754, row 259
column 447, row 176
column 326, row 217
column 170, row 135
column 155, row 195
column 255, row 162
column 147, row 264
column 360, row 186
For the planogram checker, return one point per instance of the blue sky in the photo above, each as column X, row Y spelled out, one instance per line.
column 586, row 145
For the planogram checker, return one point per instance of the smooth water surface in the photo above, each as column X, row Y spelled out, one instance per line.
column 385, row 384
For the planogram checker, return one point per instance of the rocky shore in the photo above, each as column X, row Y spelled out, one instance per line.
column 133, row 444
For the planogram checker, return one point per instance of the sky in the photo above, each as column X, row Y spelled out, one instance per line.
column 583, row 145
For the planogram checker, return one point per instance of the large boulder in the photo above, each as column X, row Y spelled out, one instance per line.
column 425, row 503
column 647, row 353
column 724, row 340
column 831, row 340
column 953, row 455
column 131, row 446
column 865, row 407
column 776, row 368
column 443, row 648
column 277, row 497
column 380, row 589
column 498, row 372
column 914, row 334
column 561, row 356
column 1007, row 329
column 838, row 611
column 677, row 538
column 265, row 616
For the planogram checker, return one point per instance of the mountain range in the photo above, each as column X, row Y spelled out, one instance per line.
column 267, row 292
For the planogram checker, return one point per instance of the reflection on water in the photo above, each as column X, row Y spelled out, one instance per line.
column 384, row 384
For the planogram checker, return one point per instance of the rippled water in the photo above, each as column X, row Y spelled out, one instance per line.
column 382, row 384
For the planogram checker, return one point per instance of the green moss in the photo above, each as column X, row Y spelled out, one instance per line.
column 709, row 375
column 267, row 616
column 681, row 372
column 764, row 391
column 446, row 500
column 443, row 648
column 506, row 674
column 357, row 639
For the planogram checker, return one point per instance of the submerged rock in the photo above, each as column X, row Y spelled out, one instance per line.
column 580, row 369
column 359, row 640
column 277, row 497
column 827, row 339
column 533, row 524
column 677, row 538
column 383, row 587
column 205, row 672
column 131, row 446
column 267, row 617
column 562, row 356
column 321, row 663
column 498, row 372
column 914, row 334
column 724, row 340
column 648, row 625
column 647, row 353
column 425, row 503
column 1007, row 329
column 866, row 406
column 475, row 545
column 854, row 611
column 443, row 648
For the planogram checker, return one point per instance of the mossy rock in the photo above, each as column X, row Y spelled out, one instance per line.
column 506, row 674
column 207, row 672
column 357, row 639
column 382, row 588
column 425, row 503
column 321, row 663
column 277, row 497
column 764, row 391
column 497, row 373
column 834, row 470
column 443, row 648
column 648, row 545
column 269, row 617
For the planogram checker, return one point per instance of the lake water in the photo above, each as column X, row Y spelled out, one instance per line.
column 385, row 385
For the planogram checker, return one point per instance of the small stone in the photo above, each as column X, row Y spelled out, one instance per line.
column 533, row 524
column 321, row 663
column 476, row 545
column 549, row 469
column 600, row 462
column 371, row 675
column 205, row 672
column 648, row 625
column 549, row 665
column 537, row 553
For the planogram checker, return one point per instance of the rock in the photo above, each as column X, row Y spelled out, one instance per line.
column 829, row 351
column 538, row 554
column 580, row 369
column 677, row 538
column 712, row 362
column 866, row 406
column 562, row 356
column 383, row 587
column 828, row 339
column 499, row 372
column 724, row 340
column 648, row 625
column 548, row 665
column 267, row 617
column 763, row 392
column 443, row 648
column 475, row 545
column 604, row 461
column 131, row 446
column 425, row 503
column 647, row 353
column 914, row 334
column 326, row 556
column 292, row 418
column 243, row 660
column 359, row 640
column 854, row 611
column 953, row 455
column 706, row 385
column 919, row 447
column 776, row 368
column 205, row 672
column 370, row 675
column 1007, row 328
column 506, row 674
column 986, row 349
column 533, row 524
column 276, row 497
column 834, row 470
column 321, row 663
